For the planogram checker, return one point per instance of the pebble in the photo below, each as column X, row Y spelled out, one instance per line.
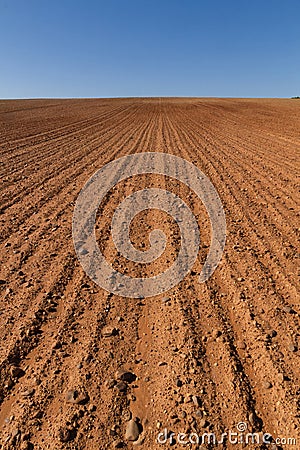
column 132, row 431
column 127, row 415
column 8, row 291
column 66, row 435
column 26, row 445
column 288, row 309
column 203, row 423
column 121, row 386
column 16, row 372
column 118, row 444
column 125, row 375
column 109, row 331
column 110, row 383
column 180, row 399
column 267, row 385
column 196, row 400
column 280, row 377
column 162, row 363
column 252, row 419
column 76, row 398
column 292, row 348
column 241, row 345
column 216, row 334
column 56, row 345
column 112, row 432
column 27, row 393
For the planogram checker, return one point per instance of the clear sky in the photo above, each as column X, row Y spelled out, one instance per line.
column 125, row 48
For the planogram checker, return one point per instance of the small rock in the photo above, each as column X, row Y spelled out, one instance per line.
column 132, row 431
column 56, row 345
column 252, row 419
column 196, row 400
column 2, row 282
column 288, row 309
column 76, row 398
column 121, row 386
column 267, row 385
column 110, row 383
column 145, row 422
column 28, row 393
column 180, row 399
column 8, row 291
column 9, row 384
column 15, row 433
column 26, row 437
column 112, row 432
column 280, row 377
column 118, row 444
column 241, row 345
column 203, row 423
column 66, row 435
column 178, row 382
column 292, row 348
column 26, row 445
column 125, row 375
column 16, row 372
column 162, row 363
column 109, row 331
column 216, row 334
column 126, row 415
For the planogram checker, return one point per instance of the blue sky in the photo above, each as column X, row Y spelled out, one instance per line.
column 124, row 48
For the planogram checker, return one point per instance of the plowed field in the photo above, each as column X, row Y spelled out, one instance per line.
column 200, row 358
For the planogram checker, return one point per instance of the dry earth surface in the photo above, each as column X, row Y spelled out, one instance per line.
column 81, row 367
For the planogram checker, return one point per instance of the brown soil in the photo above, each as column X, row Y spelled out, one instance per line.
column 232, row 342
